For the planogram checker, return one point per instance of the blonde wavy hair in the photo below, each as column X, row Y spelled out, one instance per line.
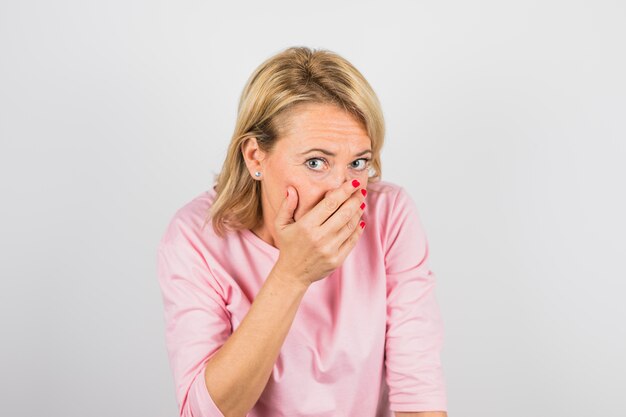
column 292, row 76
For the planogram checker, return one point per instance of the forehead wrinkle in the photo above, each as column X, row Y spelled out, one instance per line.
column 352, row 151
column 347, row 134
column 313, row 127
column 301, row 118
column 313, row 138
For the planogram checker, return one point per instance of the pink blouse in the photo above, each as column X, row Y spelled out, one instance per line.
column 366, row 339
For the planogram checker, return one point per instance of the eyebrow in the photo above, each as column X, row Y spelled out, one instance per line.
column 324, row 151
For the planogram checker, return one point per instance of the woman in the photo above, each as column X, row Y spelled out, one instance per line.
column 311, row 293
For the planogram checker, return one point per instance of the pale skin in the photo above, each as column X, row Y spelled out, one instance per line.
column 318, row 226
column 313, row 174
column 310, row 126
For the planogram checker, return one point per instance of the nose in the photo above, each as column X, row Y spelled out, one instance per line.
column 339, row 178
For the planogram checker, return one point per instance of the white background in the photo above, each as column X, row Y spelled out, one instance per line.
column 505, row 121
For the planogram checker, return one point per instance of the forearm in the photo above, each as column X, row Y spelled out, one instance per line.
column 421, row 414
column 237, row 374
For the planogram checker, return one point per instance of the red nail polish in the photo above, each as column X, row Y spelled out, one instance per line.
column 364, row 192
column 362, row 224
column 362, row 206
column 355, row 183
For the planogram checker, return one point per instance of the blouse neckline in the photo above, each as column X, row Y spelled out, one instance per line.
column 249, row 234
column 260, row 243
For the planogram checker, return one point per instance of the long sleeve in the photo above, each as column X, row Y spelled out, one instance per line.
column 196, row 320
column 415, row 333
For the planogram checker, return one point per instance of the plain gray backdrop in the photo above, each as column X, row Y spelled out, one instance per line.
column 505, row 122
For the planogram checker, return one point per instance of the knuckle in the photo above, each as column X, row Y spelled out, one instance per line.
column 330, row 203
column 327, row 252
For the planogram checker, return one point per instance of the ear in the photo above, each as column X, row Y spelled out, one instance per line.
column 252, row 155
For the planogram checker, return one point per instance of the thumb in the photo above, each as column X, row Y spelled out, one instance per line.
column 286, row 209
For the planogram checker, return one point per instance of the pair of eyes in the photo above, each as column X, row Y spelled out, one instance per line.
column 362, row 167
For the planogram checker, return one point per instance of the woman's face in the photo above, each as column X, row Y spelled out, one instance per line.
column 312, row 173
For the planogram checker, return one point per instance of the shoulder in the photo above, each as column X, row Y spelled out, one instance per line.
column 383, row 188
column 387, row 197
column 188, row 220
column 394, row 212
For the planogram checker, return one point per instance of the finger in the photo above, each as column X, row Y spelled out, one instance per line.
column 344, row 215
column 329, row 204
column 350, row 242
column 287, row 207
column 338, row 237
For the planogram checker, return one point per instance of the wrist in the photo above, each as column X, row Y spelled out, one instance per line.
column 287, row 279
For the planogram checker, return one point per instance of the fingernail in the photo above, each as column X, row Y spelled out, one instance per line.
column 355, row 183
column 364, row 192
column 362, row 206
column 362, row 224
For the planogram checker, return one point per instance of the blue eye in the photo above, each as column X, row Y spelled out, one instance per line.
column 363, row 166
column 314, row 159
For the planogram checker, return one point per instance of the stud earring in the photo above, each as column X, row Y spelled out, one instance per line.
column 258, row 174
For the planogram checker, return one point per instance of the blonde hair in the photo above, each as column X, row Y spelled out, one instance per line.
column 294, row 75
